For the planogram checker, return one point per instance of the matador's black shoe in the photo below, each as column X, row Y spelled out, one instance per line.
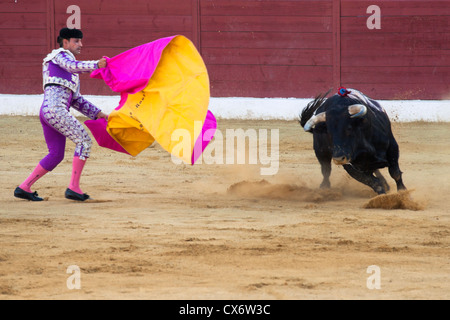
column 72, row 195
column 30, row 196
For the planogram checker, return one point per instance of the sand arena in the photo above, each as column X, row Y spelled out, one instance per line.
column 156, row 230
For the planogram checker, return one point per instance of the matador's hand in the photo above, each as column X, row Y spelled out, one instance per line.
column 102, row 115
column 102, row 63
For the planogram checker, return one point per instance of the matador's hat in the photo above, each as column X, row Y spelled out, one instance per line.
column 67, row 33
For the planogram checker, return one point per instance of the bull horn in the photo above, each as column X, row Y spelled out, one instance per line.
column 321, row 117
column 357, row 110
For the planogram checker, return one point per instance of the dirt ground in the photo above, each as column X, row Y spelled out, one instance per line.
column 157, row 230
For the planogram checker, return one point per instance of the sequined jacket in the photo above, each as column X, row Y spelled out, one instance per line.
column 60, row 67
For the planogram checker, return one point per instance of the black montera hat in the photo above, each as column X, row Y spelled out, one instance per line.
column 67, row 33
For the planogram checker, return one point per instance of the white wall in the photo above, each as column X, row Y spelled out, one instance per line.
column 249, row 108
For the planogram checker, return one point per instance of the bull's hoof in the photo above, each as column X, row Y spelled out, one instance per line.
column 325, row 185
column 380, row 190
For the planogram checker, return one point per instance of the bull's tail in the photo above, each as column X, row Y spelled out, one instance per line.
column 311, row 108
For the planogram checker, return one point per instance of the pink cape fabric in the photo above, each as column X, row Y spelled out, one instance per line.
column 208, row 131
column 129, row 73
column 98, row 129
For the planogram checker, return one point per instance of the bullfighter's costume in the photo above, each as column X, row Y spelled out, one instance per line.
column 61, row 92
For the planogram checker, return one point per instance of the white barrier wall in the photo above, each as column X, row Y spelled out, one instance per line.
column 249, row 108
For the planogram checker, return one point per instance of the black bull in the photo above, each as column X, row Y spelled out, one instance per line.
column 355, row 133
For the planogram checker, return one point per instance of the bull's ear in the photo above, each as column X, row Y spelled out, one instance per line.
column 357, row 110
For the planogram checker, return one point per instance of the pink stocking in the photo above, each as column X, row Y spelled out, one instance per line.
column 77, row 169
column 37, row 173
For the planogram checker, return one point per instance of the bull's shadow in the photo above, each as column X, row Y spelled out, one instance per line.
column 354, row 131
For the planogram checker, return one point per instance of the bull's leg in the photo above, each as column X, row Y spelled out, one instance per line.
column 383, row 180
column 324, row 152
column 396, row 174
column 393, row 154
column 325, row 164
column 366, row 178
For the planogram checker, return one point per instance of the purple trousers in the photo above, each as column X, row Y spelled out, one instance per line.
column 59, row 124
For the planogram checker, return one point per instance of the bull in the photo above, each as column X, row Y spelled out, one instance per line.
column 354, row 131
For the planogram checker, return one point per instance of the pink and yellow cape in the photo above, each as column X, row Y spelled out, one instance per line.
column 164, row 87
